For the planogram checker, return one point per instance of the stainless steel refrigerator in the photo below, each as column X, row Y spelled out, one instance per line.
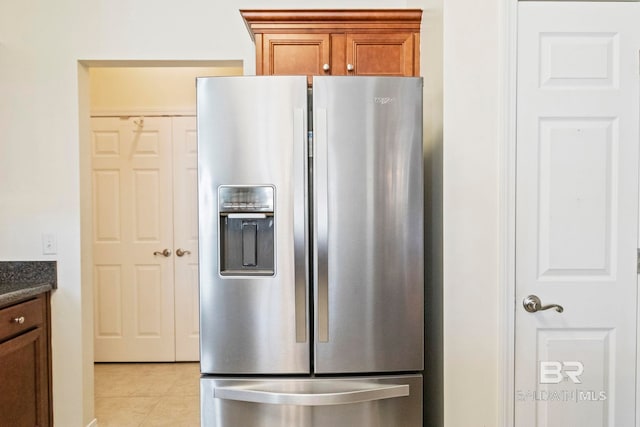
column 311, row 251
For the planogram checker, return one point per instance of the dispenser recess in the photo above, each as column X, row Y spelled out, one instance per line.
column 247, row 244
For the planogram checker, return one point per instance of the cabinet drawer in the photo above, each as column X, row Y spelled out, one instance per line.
column 20, row 317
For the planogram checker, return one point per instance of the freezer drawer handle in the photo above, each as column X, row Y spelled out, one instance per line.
column 361, row 392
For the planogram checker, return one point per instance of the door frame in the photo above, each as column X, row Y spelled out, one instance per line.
column 507, row 214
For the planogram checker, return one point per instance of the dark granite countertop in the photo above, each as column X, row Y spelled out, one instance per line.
column 21, row 280
column 16, row 292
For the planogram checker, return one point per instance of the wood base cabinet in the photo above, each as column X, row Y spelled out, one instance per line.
column 363, row 42
column 24, row 364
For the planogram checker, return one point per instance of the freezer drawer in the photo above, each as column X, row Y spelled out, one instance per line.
column 390, row 401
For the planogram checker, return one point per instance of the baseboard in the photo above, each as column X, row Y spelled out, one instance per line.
column 93, row 423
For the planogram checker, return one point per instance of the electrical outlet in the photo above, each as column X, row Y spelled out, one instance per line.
column 49, row 246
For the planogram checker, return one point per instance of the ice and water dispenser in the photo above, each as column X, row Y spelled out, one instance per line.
column 247, row 237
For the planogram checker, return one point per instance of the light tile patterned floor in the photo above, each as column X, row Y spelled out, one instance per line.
column 147, row 394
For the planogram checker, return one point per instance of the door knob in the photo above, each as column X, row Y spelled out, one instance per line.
column 326, row 67
column 164, row 253
column 350, row 67
column 532, row 304
column 181, row 252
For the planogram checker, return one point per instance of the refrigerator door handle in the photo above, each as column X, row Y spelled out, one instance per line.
column 300, row 221
column 355, row 392
column 321, row 227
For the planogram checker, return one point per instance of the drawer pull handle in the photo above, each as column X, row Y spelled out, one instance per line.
column 18, row 320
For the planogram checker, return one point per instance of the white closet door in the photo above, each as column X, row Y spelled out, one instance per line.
column 133, row 225
column 185, row 215
column 577, row 213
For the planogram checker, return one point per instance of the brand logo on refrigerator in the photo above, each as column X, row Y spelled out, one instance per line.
column 382, row 100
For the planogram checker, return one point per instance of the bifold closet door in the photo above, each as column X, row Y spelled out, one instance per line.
column 145, row 239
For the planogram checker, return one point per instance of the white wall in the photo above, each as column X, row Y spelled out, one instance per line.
column 44, row 130
column 471, row 157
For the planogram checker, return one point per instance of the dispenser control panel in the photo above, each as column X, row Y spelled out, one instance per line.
column 247, row 230
column 246, row 198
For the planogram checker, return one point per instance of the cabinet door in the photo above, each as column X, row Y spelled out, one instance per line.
column 296, row 54
column 24, row 392
column 384, row 54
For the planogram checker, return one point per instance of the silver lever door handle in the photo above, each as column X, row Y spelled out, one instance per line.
column 532, row 304
column 165, row 253
column 181, row 252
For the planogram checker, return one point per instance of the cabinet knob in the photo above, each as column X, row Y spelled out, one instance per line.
column 350, row 67
column 326, row 67
column 18, row 320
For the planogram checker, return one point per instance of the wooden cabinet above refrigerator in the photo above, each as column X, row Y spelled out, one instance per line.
column 363, row 42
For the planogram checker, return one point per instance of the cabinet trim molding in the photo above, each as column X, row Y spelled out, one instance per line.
column 345, row 20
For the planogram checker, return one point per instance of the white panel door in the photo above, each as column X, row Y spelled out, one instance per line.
column 577, row 213
column 132, row 216
column 185, row 220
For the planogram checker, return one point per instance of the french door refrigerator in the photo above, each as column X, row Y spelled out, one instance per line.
column 311, row 251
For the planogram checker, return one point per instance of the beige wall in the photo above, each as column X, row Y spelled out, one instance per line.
column 114, row 90
column 47, row 50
